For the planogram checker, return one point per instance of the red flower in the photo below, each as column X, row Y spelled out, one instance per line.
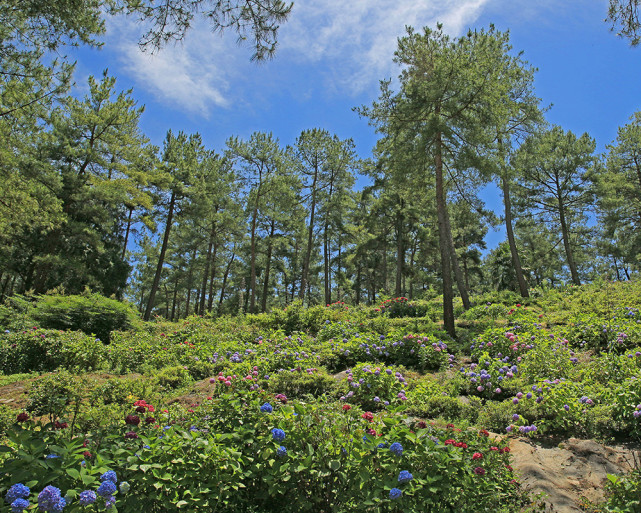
column 450, row 426
column 368, row 415
column 479, row 471
column 150, row 420
column 484, row 432
column 504, row 449
column 462, row 445
column 449, row 441
column 22, row 417
column 86, row 454
column 130, row 435
column 132, row 420
column 477, row 456
column 494, row 448
column 60, row 425
column 422, row 425
column 509, row 468
column 346, row 407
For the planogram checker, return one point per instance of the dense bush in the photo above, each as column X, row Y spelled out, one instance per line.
column 38, row 350
column 92, row 314
column 236, row 455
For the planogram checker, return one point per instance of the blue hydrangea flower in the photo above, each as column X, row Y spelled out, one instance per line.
column 110, row 475
column 382, row 445
column 124, row 487
column 106, row 489
column 404, row 476
column 59, row 506
column 48, row 498
column 50, row 456
column 110, row 502
column 396, row 449
column 19, row 505
column 87, row 497
column 17, row 491
column 266, row 408
column 281, row 452
column 395, row 493
column 278, row 435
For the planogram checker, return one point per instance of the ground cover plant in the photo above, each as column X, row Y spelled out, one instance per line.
column 346, row 411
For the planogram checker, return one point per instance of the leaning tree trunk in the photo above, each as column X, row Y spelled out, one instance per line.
column 460, row 279
column 444, row 243
column 161, row 258
column 566, row 243
column 516, row 260
column 270, row 245
column 310, row 233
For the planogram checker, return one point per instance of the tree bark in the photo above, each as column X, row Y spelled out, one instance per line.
column 460, row 281
column 400, row 253
column 516, row 260
column 308, row 252
column 161, row 258
column 203, row 286
column 124, row 247
column 270, row 245
column 566, row 243
column 212, row 277
column 444, row 243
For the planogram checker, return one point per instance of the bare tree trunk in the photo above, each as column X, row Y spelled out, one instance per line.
column 210, row 302
column 161, row 259
column 566, row 243
column 124, row 247
column 444, row 243
column 270, row 244
column 310, row 233
column 516, row 260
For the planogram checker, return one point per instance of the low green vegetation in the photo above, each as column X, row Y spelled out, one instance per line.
column 331, row 408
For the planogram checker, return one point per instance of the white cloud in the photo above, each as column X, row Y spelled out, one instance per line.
column 189, row 75
column 351, row 44
column 357, row 39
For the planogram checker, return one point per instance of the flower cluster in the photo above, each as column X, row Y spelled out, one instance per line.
column 17, row 496
column 396, row 449
column 266, row 408
column 49, row 499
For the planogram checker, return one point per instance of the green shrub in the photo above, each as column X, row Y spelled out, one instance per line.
column 40, row 350
column 93, row 314
column 624, row 492
column 55, row 395
column 171, row 378
column 302, row 382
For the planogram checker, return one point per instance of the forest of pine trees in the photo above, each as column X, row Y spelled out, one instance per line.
column 87, row 202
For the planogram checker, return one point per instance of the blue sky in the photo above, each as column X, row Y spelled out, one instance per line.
column 332, row 55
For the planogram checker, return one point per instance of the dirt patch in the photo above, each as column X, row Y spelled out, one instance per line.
column 570, row 471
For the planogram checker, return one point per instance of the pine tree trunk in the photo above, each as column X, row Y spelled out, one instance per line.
column 516, row 260
column 161, row 258
column 400, row 253
column 308, row 252
column 566, row 243
column 328, row 290
column 210, row 301
column 270, row 244
column 124, row 246
column 203, row 286
column 444, row 243
column 460, row 281
column 224, row 284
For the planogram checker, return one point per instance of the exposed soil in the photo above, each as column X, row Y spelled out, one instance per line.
column 572, row 470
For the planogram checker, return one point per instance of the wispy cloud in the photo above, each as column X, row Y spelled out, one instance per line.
column 349, row 45
column 190, row 75
column 357, row 39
